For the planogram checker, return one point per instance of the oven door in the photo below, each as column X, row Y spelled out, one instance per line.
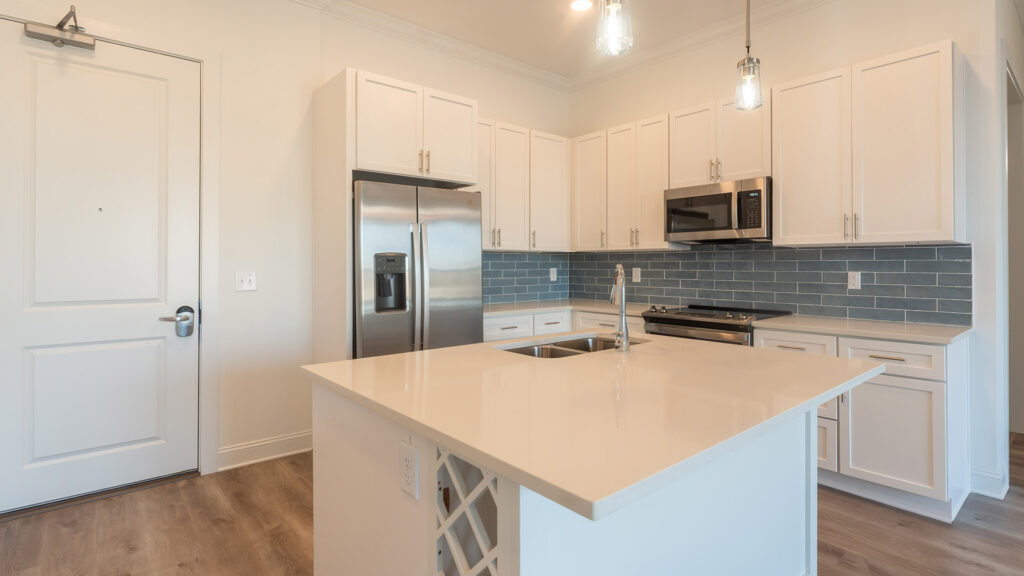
column 697, row 333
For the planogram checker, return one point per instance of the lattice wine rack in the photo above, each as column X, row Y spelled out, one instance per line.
column 466, row 518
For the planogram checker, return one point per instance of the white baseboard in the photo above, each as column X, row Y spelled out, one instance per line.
column 944, row 511
column 266, row 449
column 990, row 485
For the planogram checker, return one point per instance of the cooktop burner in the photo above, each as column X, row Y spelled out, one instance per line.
column 731, row 316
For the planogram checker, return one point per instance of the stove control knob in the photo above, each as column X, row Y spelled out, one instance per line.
column 743, row 316
column 728, row 315
column 653, row 309
column 663, row 309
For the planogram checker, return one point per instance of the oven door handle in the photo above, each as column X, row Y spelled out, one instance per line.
column 710, row 334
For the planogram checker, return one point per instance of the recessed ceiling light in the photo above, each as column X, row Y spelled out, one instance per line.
column 581, row 5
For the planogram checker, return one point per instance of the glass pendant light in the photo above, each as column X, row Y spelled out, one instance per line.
column 748, row 81
column 614, row 32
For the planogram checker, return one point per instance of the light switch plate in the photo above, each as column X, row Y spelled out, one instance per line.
column 553, row 274
column 853, row 280
column 636, row 274
column 245, row 281
column 410, row 471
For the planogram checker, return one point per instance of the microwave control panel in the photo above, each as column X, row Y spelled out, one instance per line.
column 748, row 204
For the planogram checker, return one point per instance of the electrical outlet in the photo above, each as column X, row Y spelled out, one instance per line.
column 245, row 281
column 636, row 274
column 553, row 274
column 853, row 280
column 410, row 470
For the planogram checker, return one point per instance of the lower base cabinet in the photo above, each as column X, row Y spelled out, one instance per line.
column 606, row 322
column 828, row 444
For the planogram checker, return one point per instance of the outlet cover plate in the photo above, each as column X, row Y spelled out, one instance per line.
column 553, row 274
column 409, row 470
column 853, row 280
column 636, row 274
column 245, row 281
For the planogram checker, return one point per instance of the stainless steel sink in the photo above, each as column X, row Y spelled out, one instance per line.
column 574, row 347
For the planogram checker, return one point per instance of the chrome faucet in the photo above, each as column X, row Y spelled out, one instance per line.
column 619, row 297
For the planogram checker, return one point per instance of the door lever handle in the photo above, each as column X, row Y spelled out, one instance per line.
column 184, row 321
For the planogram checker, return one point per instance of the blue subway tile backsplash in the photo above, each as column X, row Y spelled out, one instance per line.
column 922, row 284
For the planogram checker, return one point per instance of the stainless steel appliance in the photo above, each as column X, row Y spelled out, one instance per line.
column 417, row 265
column 726, row 211
column 716, row 324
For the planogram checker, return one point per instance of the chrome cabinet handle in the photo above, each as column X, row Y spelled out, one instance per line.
column 785, row 347
column 499, row 237
column 718, row 170
column 509, row 327
column 428, row 161
column 602, row 238
column 421, row 160
column 711, row 170
column 606, row 325
column 184, row 321
column 533, row 239
column 846, row 226
column 891, row 358
column 551, row 323
column 492, row 237
column 856, row 226
column 842, row 398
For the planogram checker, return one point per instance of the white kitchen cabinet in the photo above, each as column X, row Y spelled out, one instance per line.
column 508, row 327
column 817, row 344
column 389, row 125
column 449, row 136
column 511, row 187
column 744, row 140
column 651, row 183
column 811, row 181
column 692, row 146
column 606, row 322
column 406, row 129
column 550, row 168
column 908, row 168
column 621, row 186
column 589, row 188
column 893, row 432
column 485, row 182
column 925, row 361
column 828, row 444
column 552, row 322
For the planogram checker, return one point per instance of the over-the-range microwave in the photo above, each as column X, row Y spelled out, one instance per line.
column 737, row 211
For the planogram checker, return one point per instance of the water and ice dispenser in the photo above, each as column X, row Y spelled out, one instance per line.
column 389, row 270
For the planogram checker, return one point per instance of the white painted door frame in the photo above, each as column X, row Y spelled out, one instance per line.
column 209, row 244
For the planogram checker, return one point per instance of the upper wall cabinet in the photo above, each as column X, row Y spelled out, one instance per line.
column 590, row 185
column 485, row 182
column 812, row 187
column 549, row 192
column 406, row 129
column 651, row 183
column 908, row 168
column 715, row 142
column 512, row 186
column 872, row 154
column 621, row 187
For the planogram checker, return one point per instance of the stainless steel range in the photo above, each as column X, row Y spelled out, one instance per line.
column 728, row 325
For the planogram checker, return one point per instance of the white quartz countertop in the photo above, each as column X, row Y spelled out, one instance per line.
column 920, row 333
column 600, row 306
column 597, row 431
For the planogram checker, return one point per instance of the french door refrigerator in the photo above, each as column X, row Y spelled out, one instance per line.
column 417, row 267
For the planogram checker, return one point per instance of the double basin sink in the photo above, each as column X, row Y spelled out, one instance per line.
column 574, row 347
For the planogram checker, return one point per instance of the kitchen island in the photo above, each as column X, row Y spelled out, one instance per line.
column 680, row 456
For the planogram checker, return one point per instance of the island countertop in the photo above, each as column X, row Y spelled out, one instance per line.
column 596, row 431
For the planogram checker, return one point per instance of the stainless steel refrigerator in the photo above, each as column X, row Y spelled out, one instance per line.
column 417, row 264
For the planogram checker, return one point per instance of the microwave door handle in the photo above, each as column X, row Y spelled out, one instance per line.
column 735, row 211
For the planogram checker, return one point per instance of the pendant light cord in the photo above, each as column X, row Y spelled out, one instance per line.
column 748, row 27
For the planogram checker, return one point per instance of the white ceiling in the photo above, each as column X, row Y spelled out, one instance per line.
column 548, row 35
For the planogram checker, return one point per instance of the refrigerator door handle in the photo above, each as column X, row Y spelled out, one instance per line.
column 425, row 286
column 414, row 292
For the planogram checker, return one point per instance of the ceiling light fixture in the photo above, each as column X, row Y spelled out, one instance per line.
column 581, row 5
column 614, row 31
column 748, row 82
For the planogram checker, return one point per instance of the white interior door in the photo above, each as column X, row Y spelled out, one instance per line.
column 99, row 238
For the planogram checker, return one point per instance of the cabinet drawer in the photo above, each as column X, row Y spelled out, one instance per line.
column 552, row 322
column 795, row 342
column 507, row 327
column 901, row 358
column 828, row 444
column 595, row 321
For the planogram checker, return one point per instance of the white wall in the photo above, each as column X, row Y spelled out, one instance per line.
column 837, row 34
column 263, row 61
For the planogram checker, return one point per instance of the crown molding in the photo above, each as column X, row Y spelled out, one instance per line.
column 773, row 12
column 367, row 18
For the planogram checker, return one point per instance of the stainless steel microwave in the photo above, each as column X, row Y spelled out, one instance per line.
column 737, row 211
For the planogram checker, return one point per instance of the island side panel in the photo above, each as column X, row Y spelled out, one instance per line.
column 751, row 511
column 363, row 523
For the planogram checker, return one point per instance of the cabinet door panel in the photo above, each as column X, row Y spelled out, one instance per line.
column 812, row 186
column 893, row 432
column 621, row 183
column 512, row 186
column 589, row 163
column 485, row 181
column 449, row 136
column 549, row 192
column 744, row 140
column 903, row 146
column 692, row 146
column 651, row 182
column 828, row 444
column 389, row 125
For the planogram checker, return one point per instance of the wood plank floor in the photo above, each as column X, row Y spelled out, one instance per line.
column 259, row 520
